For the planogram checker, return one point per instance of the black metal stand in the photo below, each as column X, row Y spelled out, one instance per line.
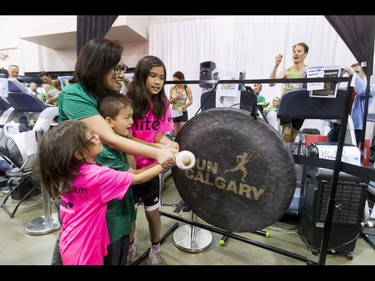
column 242, row 239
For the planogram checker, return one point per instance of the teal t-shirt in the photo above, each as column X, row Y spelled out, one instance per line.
column 76, row 103
column 260, row 99
column 120, row 213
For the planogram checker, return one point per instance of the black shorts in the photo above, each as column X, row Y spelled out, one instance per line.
column 117, row 252
column 182, row 118
column 149, row 192
column 296, row 123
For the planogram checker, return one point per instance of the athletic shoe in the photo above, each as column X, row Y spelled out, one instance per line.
column 155, row 257
column 131, row 253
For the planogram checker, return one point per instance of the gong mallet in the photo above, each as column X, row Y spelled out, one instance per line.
column 185, row 160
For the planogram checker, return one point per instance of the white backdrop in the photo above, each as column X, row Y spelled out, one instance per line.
column 247, row 43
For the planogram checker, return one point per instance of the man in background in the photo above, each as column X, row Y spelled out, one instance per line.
column 290, row 127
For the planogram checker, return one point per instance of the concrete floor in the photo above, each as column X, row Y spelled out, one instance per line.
column 19, row 248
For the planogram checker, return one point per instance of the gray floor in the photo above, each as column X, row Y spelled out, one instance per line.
column 19, row 248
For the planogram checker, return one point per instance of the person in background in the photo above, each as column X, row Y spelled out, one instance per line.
column 57, row 84
column 52, row 93
column 13, row 71
column 261, row 100
column 274, row 106
column 99, row 70
column 152, row 119
column 357, row 106
column 271, row 113
column 70, row 172
column 290, row 127
column 181, row 97
column 33, row 89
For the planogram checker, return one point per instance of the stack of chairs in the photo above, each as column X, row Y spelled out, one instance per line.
column 20, row 148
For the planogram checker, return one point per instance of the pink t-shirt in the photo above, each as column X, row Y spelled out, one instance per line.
column 84, row 235
column 147, row 128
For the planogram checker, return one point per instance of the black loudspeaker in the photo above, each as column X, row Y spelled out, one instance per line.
column 205, row 73
column 347, row 215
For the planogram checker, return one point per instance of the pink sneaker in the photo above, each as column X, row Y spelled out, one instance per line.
column 155, row 257
column 132, row 251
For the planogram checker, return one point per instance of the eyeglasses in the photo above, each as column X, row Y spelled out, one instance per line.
column 117, row 69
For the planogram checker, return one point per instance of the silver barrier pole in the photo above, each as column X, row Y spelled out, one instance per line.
column 49, row 222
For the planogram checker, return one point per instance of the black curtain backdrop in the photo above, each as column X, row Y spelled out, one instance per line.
column 358, row 33
column 89, row 27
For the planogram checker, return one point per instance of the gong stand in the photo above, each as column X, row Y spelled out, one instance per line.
column 240, row 238
column 294, row 104
column 192, row 239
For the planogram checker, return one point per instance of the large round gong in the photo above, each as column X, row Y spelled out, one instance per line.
column 243, row 178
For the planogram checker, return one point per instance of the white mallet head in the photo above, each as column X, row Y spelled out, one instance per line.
column 185, row 160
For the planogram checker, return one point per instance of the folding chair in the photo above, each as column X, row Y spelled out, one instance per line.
column 302, row 138
column 20, row 151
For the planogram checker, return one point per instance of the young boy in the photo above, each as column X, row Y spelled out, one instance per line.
column 117, row 110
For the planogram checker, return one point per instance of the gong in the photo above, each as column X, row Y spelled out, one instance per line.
column 243, row 178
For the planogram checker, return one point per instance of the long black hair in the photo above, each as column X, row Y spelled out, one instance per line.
column 138, row 91
column 94, row 60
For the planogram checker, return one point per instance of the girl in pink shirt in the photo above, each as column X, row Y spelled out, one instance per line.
column 66, row 168
column 152, row 119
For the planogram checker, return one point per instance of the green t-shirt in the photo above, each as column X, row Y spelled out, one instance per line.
column 260, row 99
column 52, row 91
column 120, row 213
column 41, row 96
column 75, row 103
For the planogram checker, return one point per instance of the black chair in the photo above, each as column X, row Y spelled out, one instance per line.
column 302, row 138
column 297, row 104
column 21, row 185
column 291, row 105
column 26, row 102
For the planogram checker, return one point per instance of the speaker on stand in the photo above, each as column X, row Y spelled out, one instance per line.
column 205, row 73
